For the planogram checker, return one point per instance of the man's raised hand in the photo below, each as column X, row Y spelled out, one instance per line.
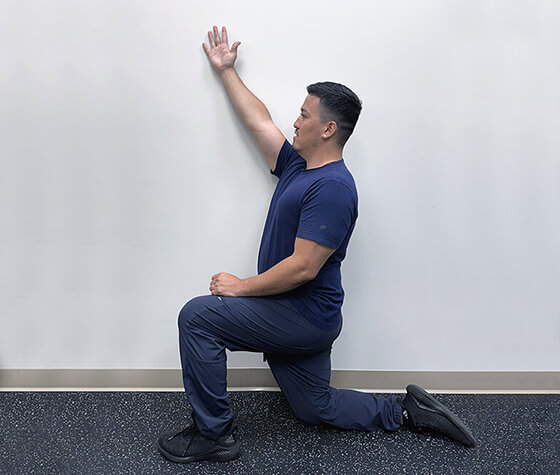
column 220, row 55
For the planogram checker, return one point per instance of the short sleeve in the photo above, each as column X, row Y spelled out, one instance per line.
column 285, row 157
column 329, row 210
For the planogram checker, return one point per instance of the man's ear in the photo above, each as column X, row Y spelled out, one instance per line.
column 330, row 129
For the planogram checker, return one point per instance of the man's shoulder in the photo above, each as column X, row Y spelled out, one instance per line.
column 331, row 189
column 287, row 158
column 338, row 176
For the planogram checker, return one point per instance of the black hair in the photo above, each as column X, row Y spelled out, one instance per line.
column 339, row 104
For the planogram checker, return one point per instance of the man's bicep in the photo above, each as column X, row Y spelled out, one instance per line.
column 312, row 254
column 328, row 213
column 270, row 140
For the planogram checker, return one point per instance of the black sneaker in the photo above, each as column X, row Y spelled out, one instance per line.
column 190, row 445
column 423, row 411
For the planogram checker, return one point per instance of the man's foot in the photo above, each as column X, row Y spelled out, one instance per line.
column 190, row 445
column 423, row 411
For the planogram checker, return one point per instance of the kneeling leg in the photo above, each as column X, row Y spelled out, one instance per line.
column 305, row 382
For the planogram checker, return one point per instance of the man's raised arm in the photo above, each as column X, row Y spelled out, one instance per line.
column 249, row 108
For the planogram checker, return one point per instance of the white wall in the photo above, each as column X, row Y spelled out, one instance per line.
column 126, row 181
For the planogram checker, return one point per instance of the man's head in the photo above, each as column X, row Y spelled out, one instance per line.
column 338, row 104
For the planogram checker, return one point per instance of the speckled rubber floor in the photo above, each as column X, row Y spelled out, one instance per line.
column 116, row 433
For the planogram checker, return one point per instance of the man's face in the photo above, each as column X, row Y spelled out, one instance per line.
column 309, row 127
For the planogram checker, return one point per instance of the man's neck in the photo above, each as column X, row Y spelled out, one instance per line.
column 321, row 157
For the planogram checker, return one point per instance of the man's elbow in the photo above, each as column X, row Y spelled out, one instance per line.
column 303, row 270
column 307, row 274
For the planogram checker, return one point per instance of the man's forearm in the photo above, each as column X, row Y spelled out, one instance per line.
column 252, row 112
column 248, row 106
column 287, row 275
column 301, row 267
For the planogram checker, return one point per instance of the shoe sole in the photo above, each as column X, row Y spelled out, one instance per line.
column 218, row 454
column 432, row 404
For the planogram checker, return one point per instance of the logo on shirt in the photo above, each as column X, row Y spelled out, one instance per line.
column 323, row 227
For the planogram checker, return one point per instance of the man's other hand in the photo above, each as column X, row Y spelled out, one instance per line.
column 226, row 284
column 220, row 55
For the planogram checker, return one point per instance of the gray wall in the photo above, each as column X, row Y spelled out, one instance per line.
column 126, row 181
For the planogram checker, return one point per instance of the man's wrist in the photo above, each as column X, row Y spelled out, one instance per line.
column 224, row 73
column 244, row 288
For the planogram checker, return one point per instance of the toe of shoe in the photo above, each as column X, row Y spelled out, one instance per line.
column 428, row 412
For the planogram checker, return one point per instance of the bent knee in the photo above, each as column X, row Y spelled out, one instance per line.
column 193, row 308
column 308, row 418
column 314, row 411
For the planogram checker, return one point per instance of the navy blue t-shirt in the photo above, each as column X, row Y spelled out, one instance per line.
column 321, row 205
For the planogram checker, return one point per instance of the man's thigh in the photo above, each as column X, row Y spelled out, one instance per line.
column 260, row 324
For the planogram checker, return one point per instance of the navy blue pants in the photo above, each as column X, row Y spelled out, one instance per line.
column 298, row 354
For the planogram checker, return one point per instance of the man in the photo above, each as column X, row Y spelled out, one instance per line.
column 290, row 311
